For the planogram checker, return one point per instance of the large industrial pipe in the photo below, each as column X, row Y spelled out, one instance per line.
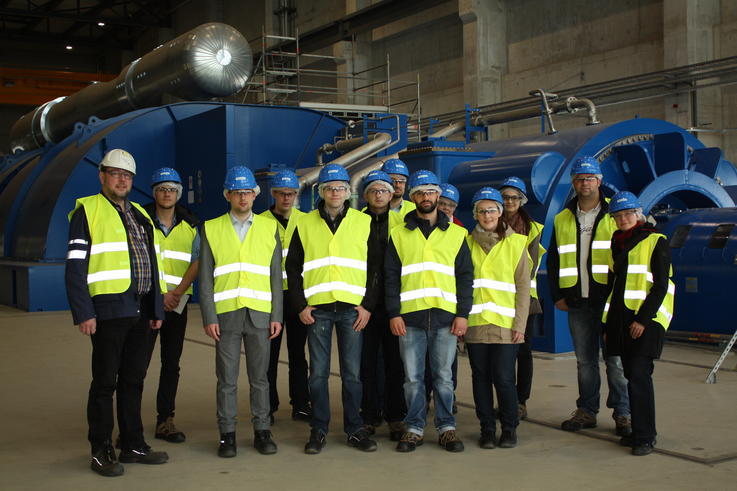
column 212, row 60
column 340, row 146
column 356, row 179
column 570, row 104
column 450, row 130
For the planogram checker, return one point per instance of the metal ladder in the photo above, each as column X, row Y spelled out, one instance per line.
column 712, row 377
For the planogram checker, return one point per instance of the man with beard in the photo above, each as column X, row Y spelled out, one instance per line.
column 115, row 294
column 429, row 293
column 176, row 229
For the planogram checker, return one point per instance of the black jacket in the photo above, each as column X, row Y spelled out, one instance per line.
column 429, row 318
column 618, row 340
column 597, row 291
column 295, row 263
column 378, row 239
column 108, row 306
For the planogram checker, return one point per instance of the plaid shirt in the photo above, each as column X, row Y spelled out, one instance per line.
column 140, row 260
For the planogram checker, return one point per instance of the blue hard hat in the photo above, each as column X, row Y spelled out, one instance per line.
column 377, row 175
column 423, row 178
column 395, row 166
column 449, row 191
column 165, row 174
column 585, row 165
column 285, row 179
column 623, row 200
column 239, row 177
column 516, row 183
column 333, row 172
column 487, row 193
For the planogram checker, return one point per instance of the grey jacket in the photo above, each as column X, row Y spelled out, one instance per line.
column 207, row 302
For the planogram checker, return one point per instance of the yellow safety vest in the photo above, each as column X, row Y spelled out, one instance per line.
column 109, row 269
column 242, row 269
column 176, row 252
column 334, row 265
column 285, row 235
column 536, row 230
column 639, row 282
column 428, row 267
column 566, row 237
column 406, row 207
column 494, row 289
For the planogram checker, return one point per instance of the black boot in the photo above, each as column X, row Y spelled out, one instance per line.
column 227, row 447
column 263, row 442
column 104, row 462
column 508, row 439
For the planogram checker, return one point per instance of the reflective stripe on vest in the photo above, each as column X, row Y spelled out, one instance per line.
column 639, row 282
column 566, row 236
column 536, row 230
column 428, row 267
column 176, row 253
column 242, row 270
column 286, row 237
column 494, row 290
column 109, row 269
column 334, row 265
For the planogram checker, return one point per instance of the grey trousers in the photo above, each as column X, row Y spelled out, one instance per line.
column 236, row 327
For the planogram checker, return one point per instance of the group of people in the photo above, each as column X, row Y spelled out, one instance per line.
column 400, row 281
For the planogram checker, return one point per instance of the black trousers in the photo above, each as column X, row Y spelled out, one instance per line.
column 299, row 392
column 638, row 370
column 492, row 366
column 120, row 356
column 380, row 344
column 172, row 341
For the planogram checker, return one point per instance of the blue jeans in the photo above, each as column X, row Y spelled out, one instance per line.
column 441, row 346
column 493, row 364
column 350, row 342
column 585, row 325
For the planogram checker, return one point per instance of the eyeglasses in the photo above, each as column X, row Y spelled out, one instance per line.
column 399, row 181
column 120, row 174
column 166, row 190
column 488, row 211
column 286, row 194
column 334, row 189
column 427, row 192
column 511, row 197
column 378, row 191
column 623, row 214
column 241, row 193
column 581, row 180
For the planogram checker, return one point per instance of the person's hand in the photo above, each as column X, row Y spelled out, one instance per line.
column 459, row 326
column 88, row 327
column 562, row 305
column 274, row 329
column 517, row 337
column 636, row 330
column 155, row 324
column 361, row 319
column 305, row 316
column 396, row 324
column 171, row 300
column 213, row 330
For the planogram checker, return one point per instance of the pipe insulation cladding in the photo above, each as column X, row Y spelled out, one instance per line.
column 211, row 60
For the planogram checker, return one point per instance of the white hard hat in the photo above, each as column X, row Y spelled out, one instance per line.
column 120, row 159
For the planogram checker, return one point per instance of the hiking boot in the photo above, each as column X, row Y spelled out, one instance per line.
column 263, row 442
column 167, row 431
column 580, row 419
column 487, row 439
column 316, row 442
column 227, row 448
column 508, row 439
column 409, row 442
column 105, row 463
column 396, row 430
column 303, row 413
column 522, row 411
column 143, row 455
column 450, row 441
column 369, row 429
column 623, row 425
column 361, row 441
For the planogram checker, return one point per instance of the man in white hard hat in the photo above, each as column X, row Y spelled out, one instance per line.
column 115, row 294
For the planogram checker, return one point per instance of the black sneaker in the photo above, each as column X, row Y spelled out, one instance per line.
column 316, row 442
column 450, row 441
column 303, row 413
column 263, row 442
column 642, row 449
column 227, row 448
column 487, row 439
column 143, row 455
column 105, row 463
column 508, row 439
column 361, row 441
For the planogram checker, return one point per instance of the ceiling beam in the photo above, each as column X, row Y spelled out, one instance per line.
column 89, row 17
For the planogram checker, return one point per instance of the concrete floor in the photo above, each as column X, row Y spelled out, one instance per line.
column 44, row 369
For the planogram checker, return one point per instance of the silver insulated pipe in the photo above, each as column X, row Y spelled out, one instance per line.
column 212, row 60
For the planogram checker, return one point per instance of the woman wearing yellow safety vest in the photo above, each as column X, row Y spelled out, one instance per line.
column 501, row 302
column 514, row 194
column 638, row 311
